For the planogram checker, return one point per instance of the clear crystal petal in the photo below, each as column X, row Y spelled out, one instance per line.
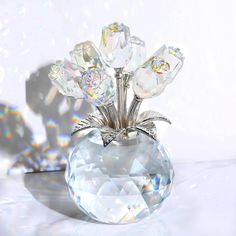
column 63, row 75
column 151, row 78
column 85, row 55
column 173, row 58
column 115, row 45
column 138, row 54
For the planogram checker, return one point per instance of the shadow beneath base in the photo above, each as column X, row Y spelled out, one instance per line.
column 49, row 188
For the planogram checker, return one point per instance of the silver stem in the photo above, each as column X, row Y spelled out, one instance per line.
column 125, row 105
column 127, row 78
column 133, row 111
column 120, row 96
column 112, row 116
column 104, row 113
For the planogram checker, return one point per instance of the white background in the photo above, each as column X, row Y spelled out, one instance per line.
column 201, row 102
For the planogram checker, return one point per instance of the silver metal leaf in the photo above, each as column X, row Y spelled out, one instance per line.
column 150, row 116
column 82, row 125
column 148, row 129
column 92, row 121
column 108, row 134
column 96, row 119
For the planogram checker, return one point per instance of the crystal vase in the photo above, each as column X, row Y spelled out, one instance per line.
column 121, row 183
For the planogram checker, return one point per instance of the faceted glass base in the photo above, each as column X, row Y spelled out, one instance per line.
column 121, row 183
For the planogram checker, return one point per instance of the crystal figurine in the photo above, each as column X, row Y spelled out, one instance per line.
column 118, row 172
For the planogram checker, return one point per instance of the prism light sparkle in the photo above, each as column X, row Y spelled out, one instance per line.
column 119, row 172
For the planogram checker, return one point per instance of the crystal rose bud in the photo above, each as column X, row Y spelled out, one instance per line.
column 63, row 75
column 138, row 55
column 151, row 78
column 85, row 55
column 97, row 86
column 172, row 58
column 115, row 45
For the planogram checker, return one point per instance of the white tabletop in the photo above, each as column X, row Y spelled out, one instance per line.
column 203, row 203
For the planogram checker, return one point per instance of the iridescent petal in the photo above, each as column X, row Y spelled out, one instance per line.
column 115, row 45
column 172, row 58
column 85, row 55
column 98, row 86
column 151, row 78
column 63, row 76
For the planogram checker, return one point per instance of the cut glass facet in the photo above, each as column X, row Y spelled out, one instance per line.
column 122, row 183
